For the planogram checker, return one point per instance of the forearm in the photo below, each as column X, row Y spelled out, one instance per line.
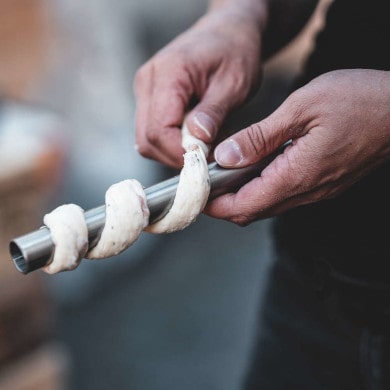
column 256, row 9
column 285, row 20
column 278, row 20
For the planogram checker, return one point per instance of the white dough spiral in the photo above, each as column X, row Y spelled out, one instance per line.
column 127, row 213
column 70, row 237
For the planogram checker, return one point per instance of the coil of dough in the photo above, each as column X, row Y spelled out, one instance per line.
column 70, row 237
column 191, row 195
column 127, row 214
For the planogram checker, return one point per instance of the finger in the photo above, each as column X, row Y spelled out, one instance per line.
column 161, row 103
column 255, row 142
column 223, row 94
column 168, row 151
column 275, row 190
column 220, row 208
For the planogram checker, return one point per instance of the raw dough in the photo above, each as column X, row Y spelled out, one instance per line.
column 191, row 195
column 127, row 213
column 188, row 141
column 70, row 237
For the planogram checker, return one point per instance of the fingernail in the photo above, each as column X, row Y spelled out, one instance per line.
column 228, row 153
column 203, row 122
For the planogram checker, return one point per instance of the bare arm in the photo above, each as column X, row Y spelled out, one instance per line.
column 209, row 70
column 285, row 20
column 340, row 127
column 280, row 20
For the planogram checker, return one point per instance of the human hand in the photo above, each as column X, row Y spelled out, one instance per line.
column 339, row 125
column 216, row 63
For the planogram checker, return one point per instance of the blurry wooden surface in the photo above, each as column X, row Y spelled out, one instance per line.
column 42, row 369
column 26, row 312
column 23, row 38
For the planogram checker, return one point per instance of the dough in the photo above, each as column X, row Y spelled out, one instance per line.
column 127, row 213
column 191, row 195
column 193, row 189
column 70, row 237
column 188, row 141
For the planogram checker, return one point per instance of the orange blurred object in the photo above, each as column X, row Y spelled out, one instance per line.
column 24, row 36
column 31, row 163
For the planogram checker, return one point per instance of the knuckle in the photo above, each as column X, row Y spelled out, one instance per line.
column 216, row 111
column 240, row 220
column 145, row 75
column 153, row 137
column 144, row 150
column 242, row 83
column 256, row 138
column 140, row 76
column 144, row 147
column 238, row 88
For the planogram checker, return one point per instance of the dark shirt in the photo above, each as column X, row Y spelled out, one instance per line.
column 352, row 231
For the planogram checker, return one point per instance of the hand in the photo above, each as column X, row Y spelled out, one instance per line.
column 339, row 125
column 216, row 63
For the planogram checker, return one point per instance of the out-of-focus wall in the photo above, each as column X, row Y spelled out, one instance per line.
column 30, row 166
column 24, row 29
column 78, row 58
column 94, row 50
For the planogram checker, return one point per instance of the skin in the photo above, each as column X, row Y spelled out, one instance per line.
column 208, row 71
column 215, row 63
column 191, row 195
column 340, row 127
column 339, row 122
column 70, row 237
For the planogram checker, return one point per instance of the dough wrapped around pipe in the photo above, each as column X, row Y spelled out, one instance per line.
column 188, row 141
column 70, row 237
column 193, row 189
column 191, row 195
column 127, row 214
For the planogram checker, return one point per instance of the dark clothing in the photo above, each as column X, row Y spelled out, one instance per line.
column 325, row 320
column 311, row 335
column 350, row 232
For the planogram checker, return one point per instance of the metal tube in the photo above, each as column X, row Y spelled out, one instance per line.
column 34, row 250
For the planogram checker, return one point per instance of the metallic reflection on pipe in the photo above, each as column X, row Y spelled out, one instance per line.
column 34, row 250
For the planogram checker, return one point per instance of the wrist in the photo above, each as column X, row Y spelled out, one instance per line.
column 255, row 11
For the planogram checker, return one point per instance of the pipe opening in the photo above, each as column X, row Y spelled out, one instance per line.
column 18, row 258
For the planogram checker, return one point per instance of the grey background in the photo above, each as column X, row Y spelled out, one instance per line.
column 175, row 311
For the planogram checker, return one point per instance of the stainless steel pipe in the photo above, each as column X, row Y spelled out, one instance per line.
column 34, row 250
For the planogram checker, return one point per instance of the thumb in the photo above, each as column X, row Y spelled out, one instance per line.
column 208, row 116
column 257, row 141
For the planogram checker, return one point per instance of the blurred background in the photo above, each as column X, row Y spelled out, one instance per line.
column 172, row 312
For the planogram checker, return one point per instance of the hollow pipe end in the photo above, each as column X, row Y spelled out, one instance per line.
column 18, row 258
column 21, row 262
